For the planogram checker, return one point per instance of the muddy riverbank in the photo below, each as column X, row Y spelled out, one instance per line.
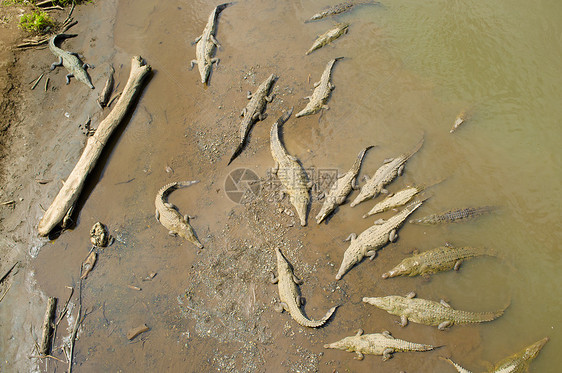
column 212, row 309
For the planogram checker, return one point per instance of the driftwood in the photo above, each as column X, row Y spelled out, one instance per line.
column 73, row 186
column 131, row 334
column 48, row 324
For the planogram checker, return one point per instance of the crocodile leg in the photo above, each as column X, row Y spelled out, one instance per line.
column 56, row 64
column 325, row 107
column 274, row 279
column 403, row 321
column 444, row 325
column 400, row 170
column 193, row 63
column 316, row 84
column 269, row 98
column 392, row 236
column 359, row 356
column 157, row 215
column 174, row 234
column 351, row 237
column 215, row 61
column 68, row 76
column 457, row 265
column 280, row 307
column 387, row 354
column 371, row 254
column 215, row 42
column 297, row 281
column 88, row 66
column 300, row 300
column 196, row 40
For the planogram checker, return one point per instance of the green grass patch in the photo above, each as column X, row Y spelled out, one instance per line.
column 37, row 22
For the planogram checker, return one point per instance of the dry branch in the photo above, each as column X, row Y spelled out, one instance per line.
column 48, row 326
column 73, row 186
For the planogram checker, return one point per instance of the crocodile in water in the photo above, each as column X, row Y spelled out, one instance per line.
column 444, row 258
column 168, row 215
column 289, row 294
column 253, row 112
column 289, row 171
column 428, row 312
column 343, row 186
column 518, row 362
column 453, row 216
column 337, row 9
column 71, row 62
column 206, row 45
column 374, row 238
column 376, row 344
column 321, row 93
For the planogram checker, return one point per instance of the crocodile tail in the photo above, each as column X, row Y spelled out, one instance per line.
column 170, row 187
column 420, row 347
column 302, row 320
column 237, row 152
column 416, row 148
column 221, row 7
column 457, row 366
column 360, row 156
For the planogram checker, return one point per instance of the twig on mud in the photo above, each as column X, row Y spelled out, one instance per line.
column 125, row 182
column 8, row 272
column 54, row 7
column 63, row 312
column 46, row 356
column 6, row 292
column 75, row 328
column 47, row 83
column 11, row 202
column 37, row 82
column 70, row 13
column 31, row 43
column 48, row 326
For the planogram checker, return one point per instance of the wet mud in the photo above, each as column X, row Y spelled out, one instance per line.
column 212, row 309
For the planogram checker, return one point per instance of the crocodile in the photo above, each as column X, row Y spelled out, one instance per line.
column 289, row 171
column 373, row 239
column 453, row 216
column 390, row 169
column 105, row 94
column 289, row 294
column 461, row 118
column 70, row 61
column 168, row 215
column 321, row 93
column 518, row 362
column 328, row 37
column 337, row 9
column 443, row 258
column 376, row 344
column 394, row 200
column 206, row 45
column 253, row 112
column 429, row 312
column 341, row 188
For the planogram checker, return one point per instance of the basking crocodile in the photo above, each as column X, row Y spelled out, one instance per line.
column 386, row 173
column 206, row 45
column 429, row 312
column 518, row 362
column 395, row 200
column 321, row 93
column 328, row 37
column 71, row 62
column 376, row 344
column 373, row 239
column 440, row 259
column 337, row 9
column 168, row 215
column 291, row 301
column 454, row 215
column 105, row 94
column 289, row 171
column 342, row 187
column 253, row 112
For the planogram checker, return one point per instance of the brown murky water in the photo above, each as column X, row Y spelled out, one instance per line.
column 408, row 70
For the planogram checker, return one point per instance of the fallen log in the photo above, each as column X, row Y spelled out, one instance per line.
column 69, row 193
column 48, row 324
